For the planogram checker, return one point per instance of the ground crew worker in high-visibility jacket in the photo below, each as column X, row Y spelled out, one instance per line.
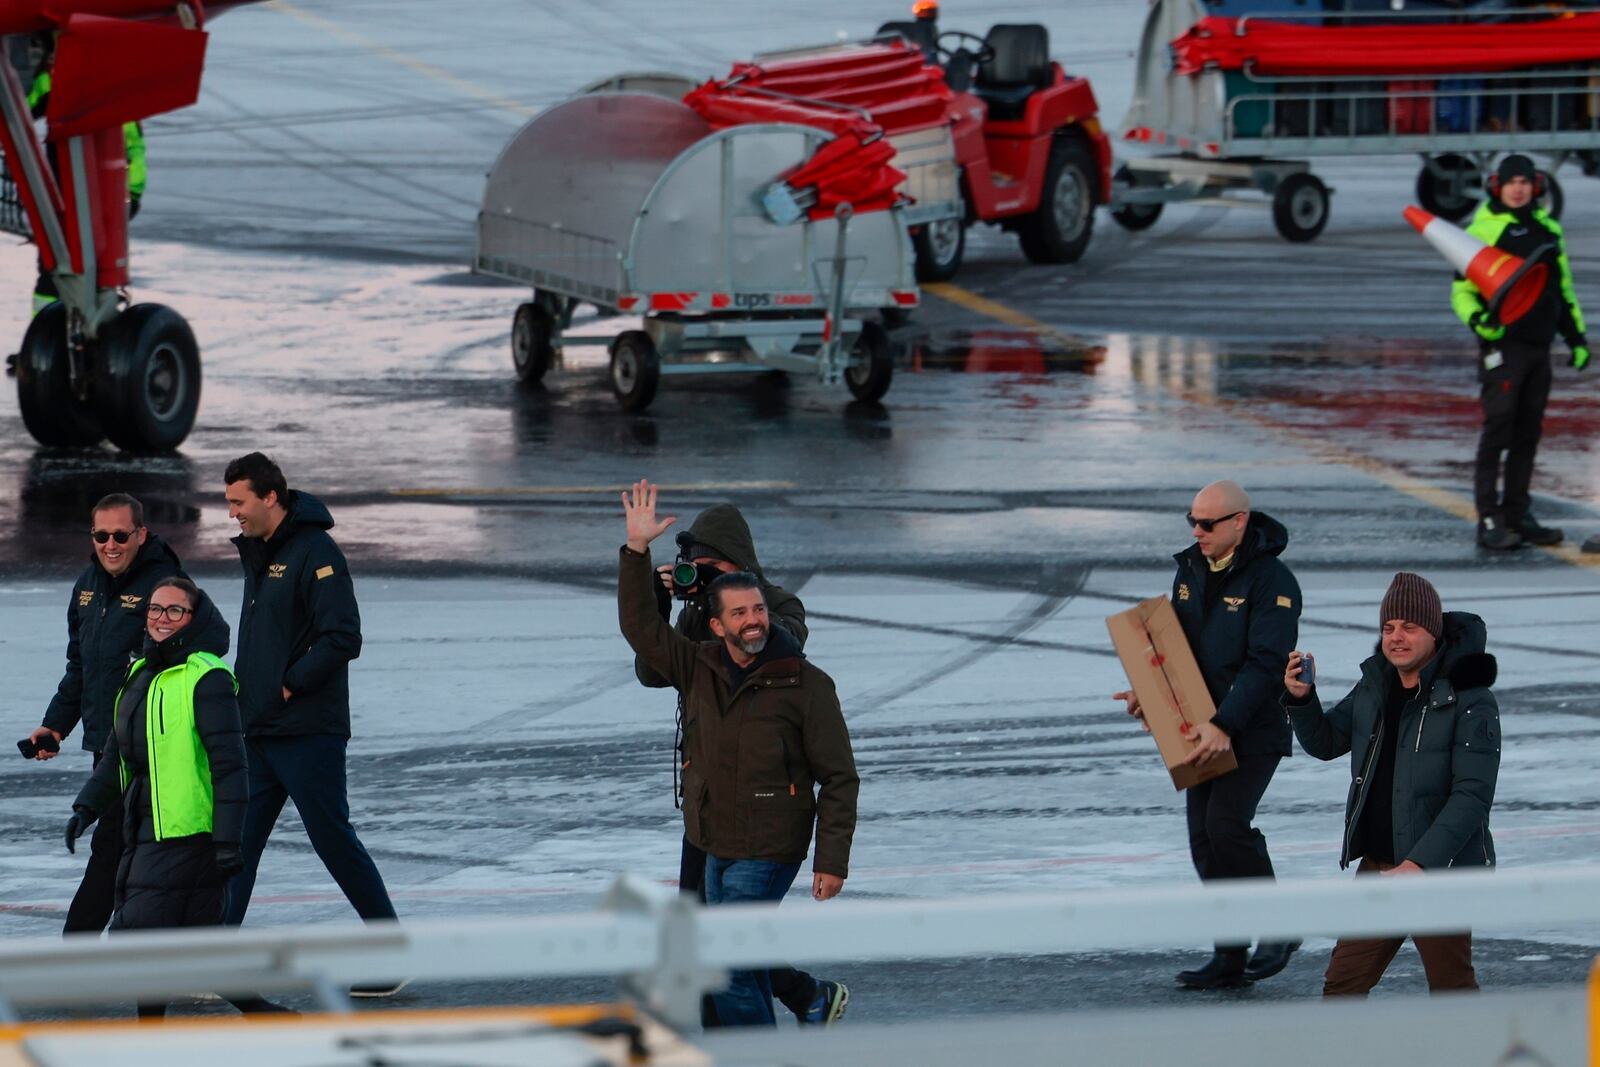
column 44, row 293
column 1514, row 360
column 176, row 758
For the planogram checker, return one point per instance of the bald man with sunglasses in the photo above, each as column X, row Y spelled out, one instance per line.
column 1240, row 610
column 105, row 626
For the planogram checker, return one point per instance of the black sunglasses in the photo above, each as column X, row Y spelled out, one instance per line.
column 122, row 537
column 1210, row 524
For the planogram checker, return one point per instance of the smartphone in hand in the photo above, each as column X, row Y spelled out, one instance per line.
column 30, row 750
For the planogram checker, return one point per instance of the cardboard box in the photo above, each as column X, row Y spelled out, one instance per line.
column 1168, row 683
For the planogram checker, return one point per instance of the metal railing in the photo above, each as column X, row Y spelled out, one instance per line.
column 1548, row 111
column 667, row 950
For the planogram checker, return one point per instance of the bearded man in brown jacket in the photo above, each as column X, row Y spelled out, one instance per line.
column 767, row 756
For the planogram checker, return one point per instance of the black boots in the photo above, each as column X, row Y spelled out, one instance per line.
column 1495, row 536
column 1270, row 958
column 1225, row 970
column 1534, row 534
column 1230, row 968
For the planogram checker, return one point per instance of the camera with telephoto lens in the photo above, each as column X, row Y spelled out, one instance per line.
column 688, row 577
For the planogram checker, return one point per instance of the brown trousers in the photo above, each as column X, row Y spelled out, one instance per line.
column 1358, row 963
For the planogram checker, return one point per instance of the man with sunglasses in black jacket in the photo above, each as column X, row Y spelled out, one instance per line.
column 105, row 627
column 1239, row 606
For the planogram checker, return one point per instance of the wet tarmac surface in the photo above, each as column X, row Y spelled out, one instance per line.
column 958, row 546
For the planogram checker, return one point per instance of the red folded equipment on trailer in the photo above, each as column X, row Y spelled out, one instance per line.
column 1286, row 49
column 859, row 95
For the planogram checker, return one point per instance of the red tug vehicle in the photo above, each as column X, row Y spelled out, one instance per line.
column 986, row 129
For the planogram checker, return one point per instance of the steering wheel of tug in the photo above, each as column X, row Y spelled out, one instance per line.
column 983, row 53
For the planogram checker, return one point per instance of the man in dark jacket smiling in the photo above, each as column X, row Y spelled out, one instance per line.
column 719, row 542
column 105, row 627
column 298, row 631
column 1240, row 610
column 1423, row 733
column 767, row 756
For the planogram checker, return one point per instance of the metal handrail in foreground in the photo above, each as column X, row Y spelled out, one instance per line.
column 668, row 950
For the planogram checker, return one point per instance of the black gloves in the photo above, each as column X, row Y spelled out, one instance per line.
column 230, row 861
column 82, row 819
column 1485, row 329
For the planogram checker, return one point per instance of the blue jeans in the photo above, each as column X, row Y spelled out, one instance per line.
column 748, row 999
column 308, row 770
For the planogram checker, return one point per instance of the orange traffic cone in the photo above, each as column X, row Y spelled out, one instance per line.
column 1511, row 285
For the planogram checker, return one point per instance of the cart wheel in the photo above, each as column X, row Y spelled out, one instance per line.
column 49, row 410
column 635, row 370
column 1059, row 231
column 147, row 379
column 1553, row 200
column 939, row 246
column 532, row 346
column 1441, row 196
column 1133, row 217
column 871, row 364
column 1300, row 207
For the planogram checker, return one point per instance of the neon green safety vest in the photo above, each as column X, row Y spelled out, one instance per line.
column 132, row 139
column 1487, row 226
column 180, row 770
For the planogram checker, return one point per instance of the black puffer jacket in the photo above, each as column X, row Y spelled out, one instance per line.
column 173, row 882
column 299, row 627
column 1449, row 756
column 105, row 627
column 722, row 527
column 1242, row 633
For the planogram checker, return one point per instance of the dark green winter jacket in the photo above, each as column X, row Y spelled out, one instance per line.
column 767, row 755
column 1449, row 755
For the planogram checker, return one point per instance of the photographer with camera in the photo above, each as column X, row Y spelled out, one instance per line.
column 105, row 627
column 1423, row 733
column 717, row 543
column 762, row 729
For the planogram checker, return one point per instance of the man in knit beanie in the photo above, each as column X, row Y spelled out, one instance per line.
column 1423, row 733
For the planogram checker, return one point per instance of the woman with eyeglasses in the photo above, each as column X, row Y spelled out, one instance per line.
column 176, row 758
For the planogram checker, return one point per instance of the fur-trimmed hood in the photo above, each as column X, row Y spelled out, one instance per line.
column 1462, row 661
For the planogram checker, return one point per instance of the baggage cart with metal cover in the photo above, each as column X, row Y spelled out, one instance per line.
column 1234, row 131
column 630, row 202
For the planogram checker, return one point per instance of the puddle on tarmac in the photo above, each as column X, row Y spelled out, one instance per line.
column 1002, row 351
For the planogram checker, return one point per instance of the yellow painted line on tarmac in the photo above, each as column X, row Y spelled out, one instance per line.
column 587, row 490
column 411, row 63
column 992, row 308
column 1445, row 500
